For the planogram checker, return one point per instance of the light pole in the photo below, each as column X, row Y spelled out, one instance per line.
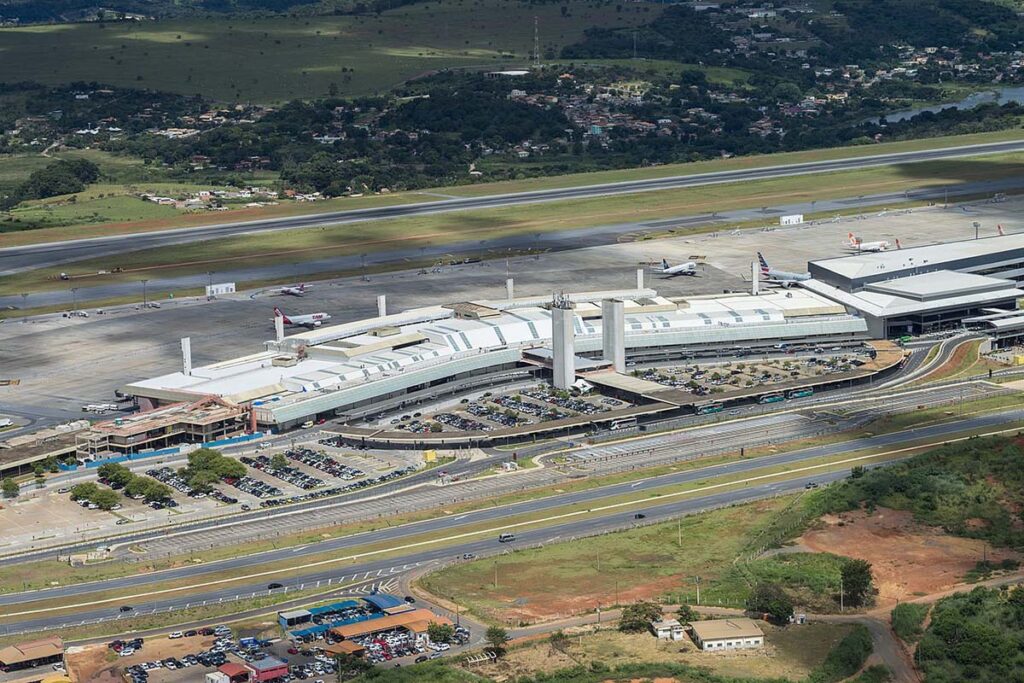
column 24, row 299
column 145, row 303
column 74, row 299
column 977, row 227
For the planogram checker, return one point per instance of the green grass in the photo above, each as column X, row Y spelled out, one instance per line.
column 908, row 620
column 583, row 573
column 484, row 225
column 280, row 58
column 661, row 67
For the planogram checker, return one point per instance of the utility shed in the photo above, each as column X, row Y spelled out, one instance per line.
column 726, row 634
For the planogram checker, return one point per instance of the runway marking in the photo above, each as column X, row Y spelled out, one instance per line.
column 566, row 515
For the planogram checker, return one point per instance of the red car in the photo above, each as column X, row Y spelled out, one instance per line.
column 292, row 651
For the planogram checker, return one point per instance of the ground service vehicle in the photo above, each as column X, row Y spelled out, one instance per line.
column 710, row 408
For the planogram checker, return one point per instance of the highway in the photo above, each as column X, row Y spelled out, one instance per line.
column 29, row 257
column 417, row 552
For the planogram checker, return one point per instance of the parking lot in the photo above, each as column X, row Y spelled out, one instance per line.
column 707, row 378
column 490, row 411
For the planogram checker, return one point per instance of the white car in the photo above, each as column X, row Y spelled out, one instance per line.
column 176, row 634
column 126, row 652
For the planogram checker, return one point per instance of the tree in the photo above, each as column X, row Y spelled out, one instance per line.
column 559, row 641
column 105, row 499
column 278, row 461
column 857, row 582
column 638, row 616
column 686, row 614
column 770, row 599
column 497, row 638
column 84, row 491
column 440, row 633
column 350, row 666
column 10, row 487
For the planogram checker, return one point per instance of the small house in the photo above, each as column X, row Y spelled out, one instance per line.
column 726, row 634
column 667, row 629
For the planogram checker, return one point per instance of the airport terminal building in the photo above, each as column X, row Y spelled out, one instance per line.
column 368, row 366
column 924, row 289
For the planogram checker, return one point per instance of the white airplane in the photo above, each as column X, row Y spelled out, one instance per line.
column 779, row 277
column 857, row 244
column 298, row 290
column 686, row 268
column 312, row 320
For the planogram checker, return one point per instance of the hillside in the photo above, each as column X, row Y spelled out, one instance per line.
column 277, row 58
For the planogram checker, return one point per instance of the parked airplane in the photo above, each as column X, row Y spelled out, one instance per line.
column 298, row 290
column 857, row 244
column 312, row 320
column 686, row 268
column 779, row 277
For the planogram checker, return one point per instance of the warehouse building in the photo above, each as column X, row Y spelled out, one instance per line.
column 925, row 289
column 361, row 367
column 726, row 634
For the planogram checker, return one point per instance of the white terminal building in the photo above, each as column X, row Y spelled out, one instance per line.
column 923, row 289
column 363, row 367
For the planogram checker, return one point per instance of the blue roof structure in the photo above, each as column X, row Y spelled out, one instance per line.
column 383, row 601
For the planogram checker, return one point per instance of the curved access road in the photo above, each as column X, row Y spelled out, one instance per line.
column 18, row 259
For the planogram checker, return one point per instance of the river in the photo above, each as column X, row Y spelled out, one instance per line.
column 1001, row 95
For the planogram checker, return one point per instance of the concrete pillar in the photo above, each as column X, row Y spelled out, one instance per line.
column 186, row 356
column 279, row 328
column 563, row 337
column 382, row 306
column 755, row 278
column 639, row 278
column 613, row 333
column 510, row 289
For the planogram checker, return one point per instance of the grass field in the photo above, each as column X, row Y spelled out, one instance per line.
column 297, row 246
column 794, row 653
column 567, row 578
column 281, row 58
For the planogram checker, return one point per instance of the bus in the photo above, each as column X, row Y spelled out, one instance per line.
column 623, row 423
column 905, row 339
column 710, row 408
column 771, row 398
column 800, row 393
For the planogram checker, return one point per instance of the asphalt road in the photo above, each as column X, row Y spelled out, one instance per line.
column 395, row 536
column 17, row 259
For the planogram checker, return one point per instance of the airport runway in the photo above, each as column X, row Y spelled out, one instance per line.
column 29, row 257
column 498, row 516
column 558, row 241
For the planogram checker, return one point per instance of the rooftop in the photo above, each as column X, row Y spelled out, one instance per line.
column 929, row 257
column 939, row 284
column 883, row 304
column 716, row 629
column 32, row 650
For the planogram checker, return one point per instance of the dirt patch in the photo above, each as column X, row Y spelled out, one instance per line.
column 100, row 664
column 907, row 559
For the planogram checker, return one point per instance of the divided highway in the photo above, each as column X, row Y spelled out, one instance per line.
column 418, row 552
column 18, row 259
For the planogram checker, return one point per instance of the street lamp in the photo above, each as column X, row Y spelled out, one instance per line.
column 24, row 298
column 145, row 303
column 977, row 227
column 74, row 299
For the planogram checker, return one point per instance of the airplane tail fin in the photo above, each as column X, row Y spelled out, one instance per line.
column 664, row 264
column 764, row 264
column 999, row 228
column 854, row 241
column 898, row 245
column 278, row 313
